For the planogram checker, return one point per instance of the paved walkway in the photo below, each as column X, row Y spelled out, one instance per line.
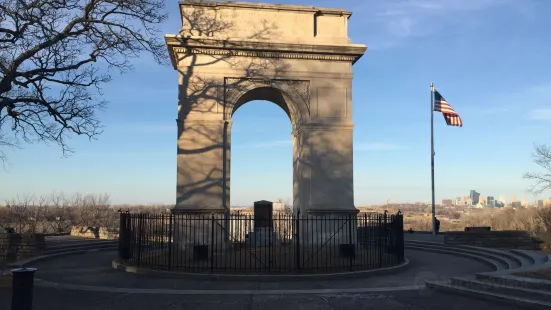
column 93, row 269
column 112, row 289
column 48, row 299
column 424, row 237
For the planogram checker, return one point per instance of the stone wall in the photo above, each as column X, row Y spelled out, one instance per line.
column 493, row 239
column 94, row 233
column 14, row 247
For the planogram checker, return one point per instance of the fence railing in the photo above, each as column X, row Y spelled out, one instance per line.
column 244, row 244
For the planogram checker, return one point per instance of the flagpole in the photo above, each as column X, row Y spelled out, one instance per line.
column 432, row 157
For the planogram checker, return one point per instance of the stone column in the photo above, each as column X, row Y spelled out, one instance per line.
column 202, row 196
column 324, row 162
column 325, row 182
column 203, row 166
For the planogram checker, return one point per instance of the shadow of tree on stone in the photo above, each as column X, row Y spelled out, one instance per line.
column 202, row 96
column 222, row 66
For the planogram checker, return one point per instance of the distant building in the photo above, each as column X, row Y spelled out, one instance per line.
column 475, row 197
column 490, row 201
column 539, row 203
column 447, row 202
column 524, row 203
column 516, row 204
column 482, row 200
column 465, row 201
column 278, row 206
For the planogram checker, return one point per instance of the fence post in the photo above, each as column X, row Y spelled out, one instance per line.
column 163, row 234
column 350, row 241
column 170, row 217
column 297, row 239
column 140, row 238
column 400, row 240
column 22, row 288
column 380, row 232
column 122, row 228
column 212, row 244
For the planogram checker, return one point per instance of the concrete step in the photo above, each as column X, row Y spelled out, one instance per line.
column 515, row 291
column 67, row 252
column 56, row 246
column 515, row 281
column 80, row 248
column 495, row 265
column 487, row 295
column 518, row 261
column 78, row 242
column 503, row 262
column 515, row 260
column 535, row 256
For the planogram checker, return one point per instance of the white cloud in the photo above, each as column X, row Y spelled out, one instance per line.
column 387, row 23
column 541, row 114
column 515, row 101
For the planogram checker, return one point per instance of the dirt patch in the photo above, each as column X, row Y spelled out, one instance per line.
column 544, row 274
column 5, row 281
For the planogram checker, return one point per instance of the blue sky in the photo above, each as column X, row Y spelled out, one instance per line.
column 488, row 58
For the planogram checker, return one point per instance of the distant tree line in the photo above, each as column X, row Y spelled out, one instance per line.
column 536, row 221
column 59, row 212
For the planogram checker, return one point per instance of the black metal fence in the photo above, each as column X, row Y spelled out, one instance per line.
column 282, row 243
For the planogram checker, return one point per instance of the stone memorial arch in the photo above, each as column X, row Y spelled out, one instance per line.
column 298, row 57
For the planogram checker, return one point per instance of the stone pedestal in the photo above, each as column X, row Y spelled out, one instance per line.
column 263, row 234
column 328, row 229
column 324, row 174
column 201, row 229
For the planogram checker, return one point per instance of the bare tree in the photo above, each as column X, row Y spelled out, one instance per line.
column 20, row 213
column 96, row 211
column 542, row 157
column 55, row 55
column 61, row 213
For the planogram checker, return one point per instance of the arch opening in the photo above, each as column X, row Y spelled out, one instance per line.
column 261, row 152
column 270, row 94
column 267, row 93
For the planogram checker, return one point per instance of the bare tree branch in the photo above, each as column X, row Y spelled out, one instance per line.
column 55, row 55
column 542, row 157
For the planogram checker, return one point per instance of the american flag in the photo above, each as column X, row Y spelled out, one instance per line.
column 441, row 105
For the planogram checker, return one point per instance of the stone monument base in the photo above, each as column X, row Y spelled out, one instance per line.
column 261, row 237
column 195, row 229
column 328, row 229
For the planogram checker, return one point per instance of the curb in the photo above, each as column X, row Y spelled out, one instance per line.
column 259, row 277
column 489, row 296
column 25, row 262
column 513, row 272
column 496, row 257
column 480, row 259
column 48, row 284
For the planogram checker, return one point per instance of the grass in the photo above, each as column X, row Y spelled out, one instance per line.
column 277, row 259
column 5, row 281
column 544, row 274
